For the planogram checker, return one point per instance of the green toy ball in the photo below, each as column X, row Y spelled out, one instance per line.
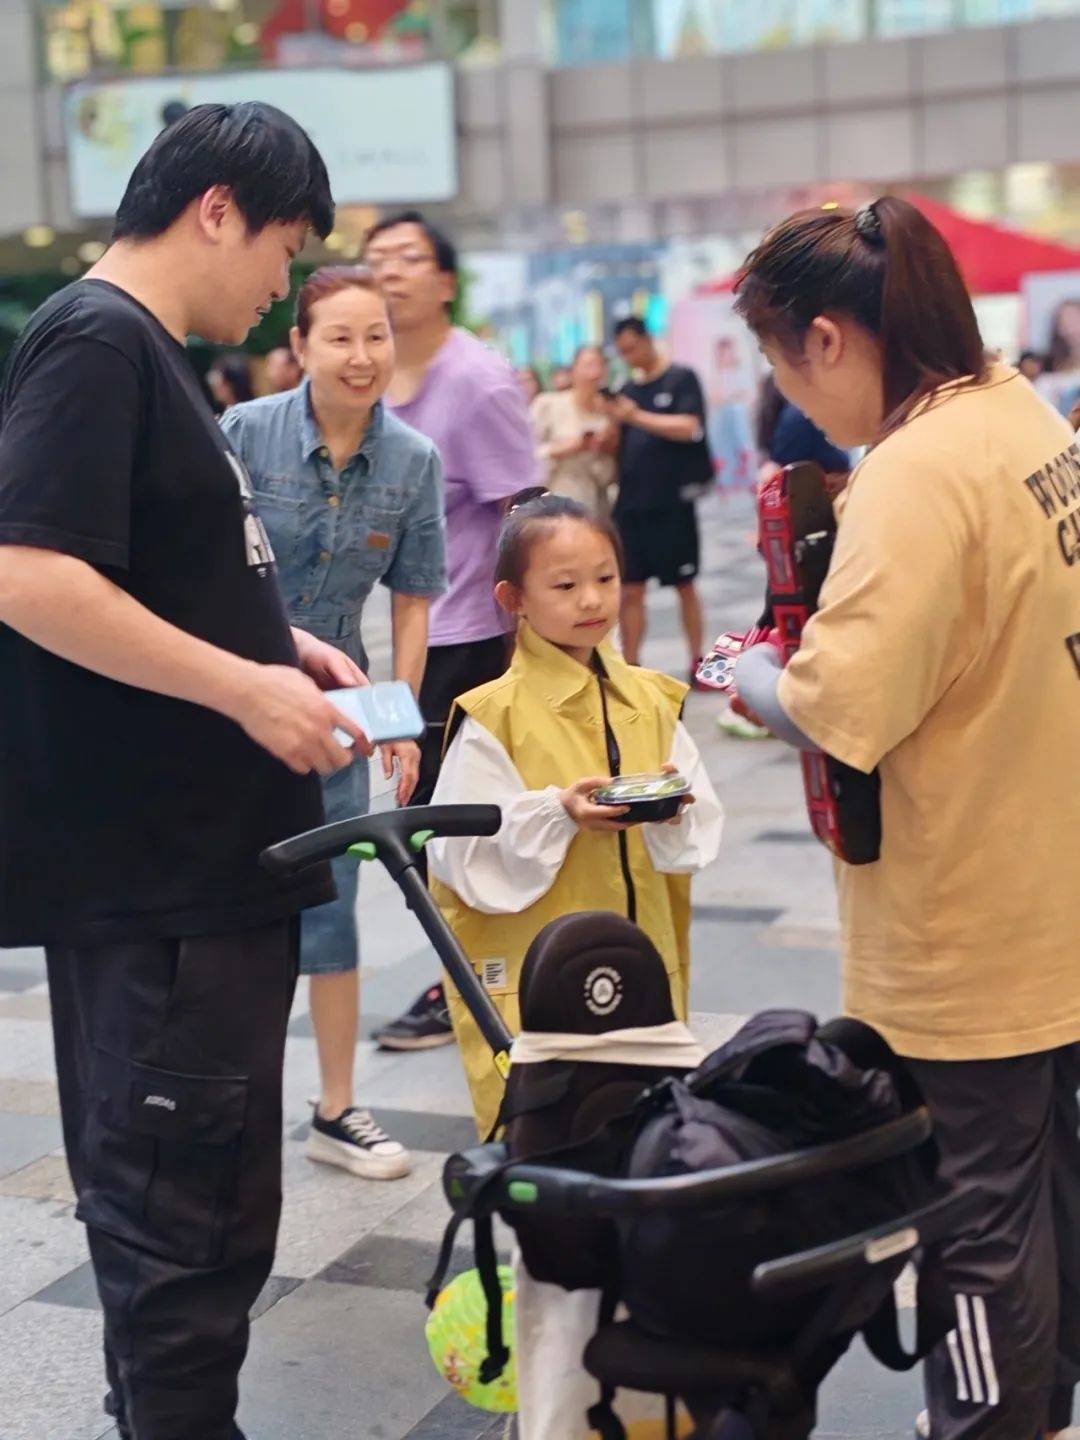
column 456, row 1333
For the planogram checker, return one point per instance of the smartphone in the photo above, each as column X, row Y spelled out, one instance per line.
column 387, row 711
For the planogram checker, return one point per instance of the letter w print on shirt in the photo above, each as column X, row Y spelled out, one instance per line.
column 260, row 553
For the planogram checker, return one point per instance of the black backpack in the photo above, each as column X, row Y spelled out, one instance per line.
column 780, row 1084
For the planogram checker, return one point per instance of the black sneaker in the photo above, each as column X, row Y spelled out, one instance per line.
column 355, row 1142
column 424, row 1026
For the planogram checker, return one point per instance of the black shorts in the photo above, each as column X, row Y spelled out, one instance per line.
column 660, row 544
column 452, row 670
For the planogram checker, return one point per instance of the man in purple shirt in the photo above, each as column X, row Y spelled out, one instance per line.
column 463, row 396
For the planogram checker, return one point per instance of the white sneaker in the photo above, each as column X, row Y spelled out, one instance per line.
column 740, row 727
column 356, row 1142
column 922, row 1425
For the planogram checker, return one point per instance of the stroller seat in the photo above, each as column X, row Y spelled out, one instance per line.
column 623, row 1356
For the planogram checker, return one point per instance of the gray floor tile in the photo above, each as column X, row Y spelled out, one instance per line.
column 42, row 1242
column 77, row 1289
column 26, row 1050
column 326, row 1210
column 52, row 1376
column 339, row 1360
column 275, row 1289
column 26, row 1006
column 395, row 1262
column 453, row 1419
column 739, row 914
column 29, row 1097
column 384, row 1262
column 45, row 1179
column 16, row 974
column 25, row 1138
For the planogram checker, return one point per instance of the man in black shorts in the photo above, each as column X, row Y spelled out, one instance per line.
column 664, row 464
column 157, row 731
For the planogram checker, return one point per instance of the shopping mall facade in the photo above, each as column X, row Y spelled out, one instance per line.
column 597, row 153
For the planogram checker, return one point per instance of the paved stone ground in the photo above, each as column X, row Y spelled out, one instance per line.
column 338, row 1350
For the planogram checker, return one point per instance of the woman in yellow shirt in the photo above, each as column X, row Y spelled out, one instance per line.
column 946, row 654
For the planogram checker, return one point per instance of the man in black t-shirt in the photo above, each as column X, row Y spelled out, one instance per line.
column 664, row 464
column 157, row 730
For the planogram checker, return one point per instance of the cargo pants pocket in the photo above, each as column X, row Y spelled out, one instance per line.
column 162, row 1153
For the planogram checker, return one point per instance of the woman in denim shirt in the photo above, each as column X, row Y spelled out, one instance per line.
column 349, row 495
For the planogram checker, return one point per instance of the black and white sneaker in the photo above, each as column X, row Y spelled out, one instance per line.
column 424, row 1026
column 356, row 1142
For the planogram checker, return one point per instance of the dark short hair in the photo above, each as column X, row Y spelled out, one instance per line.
column 533, row 518
column 265, row 158
column 446, row 256
column 1031, row 355
column 632, row 324
column 884, row 266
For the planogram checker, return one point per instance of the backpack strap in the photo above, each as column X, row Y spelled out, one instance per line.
column 933, row 1321
column 442, row 1264
column 498, row 1355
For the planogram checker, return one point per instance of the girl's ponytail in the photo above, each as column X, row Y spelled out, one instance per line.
column 886, row 267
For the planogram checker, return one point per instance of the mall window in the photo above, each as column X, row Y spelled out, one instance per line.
column 83, row 37
column 101, row 37
column 595, row 32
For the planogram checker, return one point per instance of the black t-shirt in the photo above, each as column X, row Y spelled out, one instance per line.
column 658, row 474
column 125, row 814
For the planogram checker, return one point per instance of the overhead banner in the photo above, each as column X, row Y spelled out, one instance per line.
column 387, row 135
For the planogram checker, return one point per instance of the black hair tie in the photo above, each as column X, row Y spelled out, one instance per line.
column 868, row 225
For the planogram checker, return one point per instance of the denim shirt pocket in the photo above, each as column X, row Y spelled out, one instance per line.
column 376, row 528
column 279, row 502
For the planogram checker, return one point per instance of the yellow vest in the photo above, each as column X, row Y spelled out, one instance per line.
column 548, row 714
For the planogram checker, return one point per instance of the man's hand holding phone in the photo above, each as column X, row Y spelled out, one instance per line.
column 285, row 712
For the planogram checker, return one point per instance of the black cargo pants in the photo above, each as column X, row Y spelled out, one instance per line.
column 1010, row 1131
column 169, row 1057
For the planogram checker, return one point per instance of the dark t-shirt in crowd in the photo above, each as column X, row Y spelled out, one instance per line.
column 797, row 439
column 658, row 474
column 125, row 814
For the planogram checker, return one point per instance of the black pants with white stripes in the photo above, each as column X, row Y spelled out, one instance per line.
column 169, row 1056
column 1010, row 1130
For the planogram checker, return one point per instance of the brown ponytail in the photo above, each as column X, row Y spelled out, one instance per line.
column 886, row 267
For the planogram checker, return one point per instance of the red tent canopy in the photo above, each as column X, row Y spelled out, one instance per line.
column 993, row 258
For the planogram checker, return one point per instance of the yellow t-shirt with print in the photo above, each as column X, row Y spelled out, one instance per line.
column 947, row 652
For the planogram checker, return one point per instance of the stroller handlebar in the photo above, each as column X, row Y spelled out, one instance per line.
column 396, row 837
column 898, row 1238
column 390, row 833
column 541, row 1188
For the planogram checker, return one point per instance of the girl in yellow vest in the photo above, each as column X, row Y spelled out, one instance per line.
column 568, row 715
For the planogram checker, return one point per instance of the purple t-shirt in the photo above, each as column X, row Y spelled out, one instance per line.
column 470, row 405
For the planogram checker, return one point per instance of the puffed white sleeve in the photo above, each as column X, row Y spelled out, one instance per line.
column 504, row 873
column 694, row 842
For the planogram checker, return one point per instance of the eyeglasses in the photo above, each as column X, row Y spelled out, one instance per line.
column 409, row 258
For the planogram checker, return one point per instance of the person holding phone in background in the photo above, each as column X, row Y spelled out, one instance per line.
column 575, row 438
column 350, row 495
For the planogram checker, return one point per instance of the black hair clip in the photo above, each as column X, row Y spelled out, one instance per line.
column 526, row 497
column 868, row 225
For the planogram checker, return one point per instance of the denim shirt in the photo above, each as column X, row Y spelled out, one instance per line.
column 334, row 534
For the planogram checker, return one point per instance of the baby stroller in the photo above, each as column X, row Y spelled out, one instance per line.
column 609, row 1177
